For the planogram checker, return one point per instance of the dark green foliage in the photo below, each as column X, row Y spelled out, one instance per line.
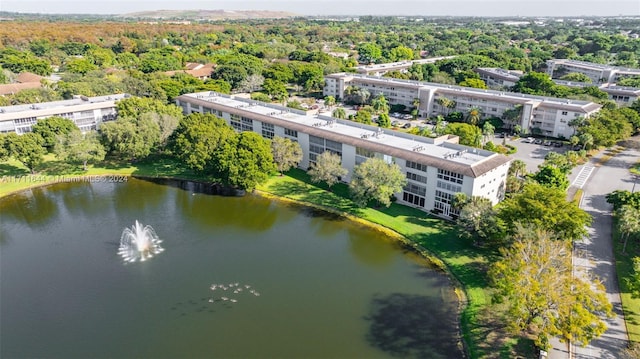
column 50, row 128
column 26, row 148
column 244, row 161
column 545, row 208
column 196, row 139
column 551, row 176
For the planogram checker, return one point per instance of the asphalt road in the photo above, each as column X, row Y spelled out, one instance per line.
column 593, row 256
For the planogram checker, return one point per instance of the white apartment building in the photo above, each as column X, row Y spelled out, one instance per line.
column 621, row 95
column 550, row 116
column 497, row 78
column 86, row 112
column 435, row 169
column 402, row 66
column 598, row 73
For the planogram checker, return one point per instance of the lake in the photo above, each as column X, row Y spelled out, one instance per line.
column 298, row 282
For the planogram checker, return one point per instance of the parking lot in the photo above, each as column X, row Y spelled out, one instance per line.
column 533, row 154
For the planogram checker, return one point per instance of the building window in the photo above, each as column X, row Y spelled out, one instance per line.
column 247, row 124
column 318, row 145
column 416, row 189
column 235, row 122
column 363, row 154
column 449, row 186
column 450, row 176
column 416, row 166
column 267, row 130
column 413, row 199
column 564, row 113
column 291, row 133
column 416, row 177
column 443, row 201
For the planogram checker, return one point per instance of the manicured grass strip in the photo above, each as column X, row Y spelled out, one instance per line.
column 465, row 262
column 16, row 177
column 624, row 269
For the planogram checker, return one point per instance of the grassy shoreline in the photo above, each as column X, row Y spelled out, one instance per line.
column 434, row 238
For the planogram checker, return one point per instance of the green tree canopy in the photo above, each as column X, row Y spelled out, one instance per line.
column 27, row 149
column 470, row 135
column 136, row 106
column 369, row 52
column 286, row 153
column 196, row 139
column 545, row 208
column 244, row 161
column 376, row 180
column 76, row 147
column 50, row 128
column 535, row 83
column 551, row 176
column 327, row 168
column 543, row 296
column 130, row 138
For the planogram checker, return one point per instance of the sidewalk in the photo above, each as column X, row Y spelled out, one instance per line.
column 593, row 256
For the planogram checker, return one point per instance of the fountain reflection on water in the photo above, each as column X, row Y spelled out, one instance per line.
column 139, row 243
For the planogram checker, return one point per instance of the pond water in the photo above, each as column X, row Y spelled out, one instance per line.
column 298, row 283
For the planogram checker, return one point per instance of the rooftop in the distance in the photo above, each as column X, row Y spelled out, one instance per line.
column 470, row 90
column 82, row 100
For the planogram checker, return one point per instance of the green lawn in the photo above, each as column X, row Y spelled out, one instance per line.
column 624, row 267
column 14, row 176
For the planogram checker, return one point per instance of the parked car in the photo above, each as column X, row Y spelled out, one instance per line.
column 529, row 140
column 547, row 143
column 537, row 142
column 557, row 144
column 406, row 125
column 395, row 123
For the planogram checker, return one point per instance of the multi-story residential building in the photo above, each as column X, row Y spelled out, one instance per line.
column 402, row 66
column 547, row 115
column 598, row 73
column 622, row 95
column 436, row 168
column 498, row 79
column 86, row 112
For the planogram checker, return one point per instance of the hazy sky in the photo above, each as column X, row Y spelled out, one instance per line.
column 341, row 7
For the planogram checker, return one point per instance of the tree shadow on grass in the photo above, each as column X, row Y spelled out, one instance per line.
column 307, row 193
column 7, row 169
column 414, row 326
column 54, row 168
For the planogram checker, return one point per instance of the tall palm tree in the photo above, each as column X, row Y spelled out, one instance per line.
column 380, row 104
column 330, row 101
column 473, row 116
column 339, row 113
column 628, row 223
column 518, row 168
column 586, row 139
column 576, row 122
column 446, row 103
column 512, row 115
column 488, row 130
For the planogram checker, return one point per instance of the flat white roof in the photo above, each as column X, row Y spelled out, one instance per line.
column 418, row 144
column 46, row 108
column 468, row 90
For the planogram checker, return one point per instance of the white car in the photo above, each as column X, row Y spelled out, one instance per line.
column 529, row 140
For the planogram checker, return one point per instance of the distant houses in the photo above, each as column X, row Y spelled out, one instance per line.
column 201, row 71
column 24, row 81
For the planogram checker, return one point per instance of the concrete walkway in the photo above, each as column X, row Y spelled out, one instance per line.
column 593, row 256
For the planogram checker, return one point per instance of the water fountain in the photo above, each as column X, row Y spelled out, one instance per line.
column 139, row 242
